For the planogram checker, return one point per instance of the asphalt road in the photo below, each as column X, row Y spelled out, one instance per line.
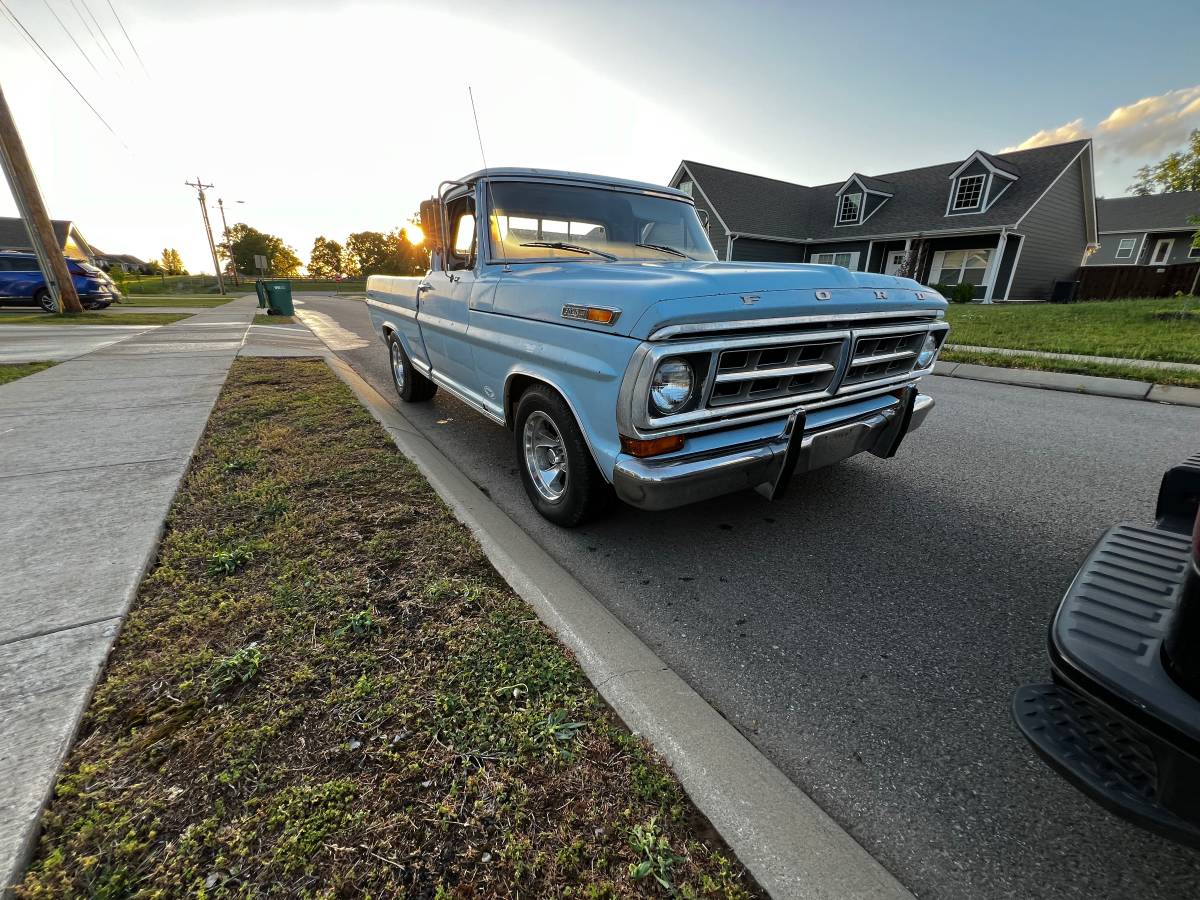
column 866, row 632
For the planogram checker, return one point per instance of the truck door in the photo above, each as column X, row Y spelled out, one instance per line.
column 445, row 305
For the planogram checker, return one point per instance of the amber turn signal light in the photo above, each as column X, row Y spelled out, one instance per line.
column 652, row 447
column 603, row 316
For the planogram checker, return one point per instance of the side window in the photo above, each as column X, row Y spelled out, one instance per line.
column 462, row 227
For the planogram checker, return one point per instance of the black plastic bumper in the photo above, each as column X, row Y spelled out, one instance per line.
column 1114, row 722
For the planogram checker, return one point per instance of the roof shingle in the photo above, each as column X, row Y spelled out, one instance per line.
column 1148, row 213
column 752, row 204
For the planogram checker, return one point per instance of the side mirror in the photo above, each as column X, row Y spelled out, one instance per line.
column 432, row 218
column 703, row 214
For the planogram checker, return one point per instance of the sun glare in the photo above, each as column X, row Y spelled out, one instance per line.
column 416, row 236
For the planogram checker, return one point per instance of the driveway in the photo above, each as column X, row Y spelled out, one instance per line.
column 866, row 632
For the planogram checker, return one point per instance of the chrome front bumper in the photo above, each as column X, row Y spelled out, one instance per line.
column 765, row 465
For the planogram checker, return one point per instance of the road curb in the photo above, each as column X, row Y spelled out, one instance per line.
column 787, row 843
column 1093, row 385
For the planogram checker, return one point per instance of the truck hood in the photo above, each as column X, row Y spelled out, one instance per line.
column 655, row 295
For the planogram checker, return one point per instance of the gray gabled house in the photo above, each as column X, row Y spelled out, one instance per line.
column 14, row 236
column 1012, row 224
column 1147, row 231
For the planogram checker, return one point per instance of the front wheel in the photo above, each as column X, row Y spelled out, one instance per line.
column 44, row 300
column 411, row 385
column 556, row 467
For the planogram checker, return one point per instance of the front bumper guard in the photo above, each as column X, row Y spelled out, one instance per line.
column 767, row 465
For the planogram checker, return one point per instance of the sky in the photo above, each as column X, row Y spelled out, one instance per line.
column 316, row 117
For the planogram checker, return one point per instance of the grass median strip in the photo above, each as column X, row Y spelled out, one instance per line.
column 91, row 318
column 13, row 371
column 1180, row 377
column 162, row 301
column 1131, row 329
column 324, row 689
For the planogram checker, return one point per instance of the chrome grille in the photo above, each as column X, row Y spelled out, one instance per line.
column 883, row 356
column 779, row 370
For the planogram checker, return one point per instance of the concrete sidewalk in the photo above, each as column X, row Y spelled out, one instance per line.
column 35, row 343
column 93, row 451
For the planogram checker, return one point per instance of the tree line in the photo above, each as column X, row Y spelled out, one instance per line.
column 363, row 253
column 368, row 253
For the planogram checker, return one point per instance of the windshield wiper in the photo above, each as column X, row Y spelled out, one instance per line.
column 664, row 249
column 574, row 248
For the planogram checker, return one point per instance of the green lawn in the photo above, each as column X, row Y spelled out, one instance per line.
column 323, row 689
column 1180, row 377
column 13, row 371
column 90, row 318
column 198, row 301
column 1134, row 329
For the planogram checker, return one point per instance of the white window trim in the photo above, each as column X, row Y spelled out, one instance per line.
column 1170, row 242
column 1132, row 242
column 862, row 202
column 977, row 206
column 853, row 254
column 1193, row 252
column 989, row 270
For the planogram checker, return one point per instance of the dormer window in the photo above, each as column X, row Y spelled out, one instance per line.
column 850, row 209
column 969, row 192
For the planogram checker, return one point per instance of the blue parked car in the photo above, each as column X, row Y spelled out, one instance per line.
column 21, row 281
column 591, row 317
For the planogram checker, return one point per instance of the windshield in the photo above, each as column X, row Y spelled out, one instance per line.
column 536, row 220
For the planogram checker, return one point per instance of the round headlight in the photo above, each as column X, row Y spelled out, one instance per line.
column 928, row 353
column 671, row 386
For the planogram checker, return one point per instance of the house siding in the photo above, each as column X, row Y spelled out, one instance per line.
column 756, row 250
column 1179, row 250
column 1055, row 237
column 1107, row 254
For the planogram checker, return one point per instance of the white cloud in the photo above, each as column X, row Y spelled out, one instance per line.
column 1072, row 131
column 1139, row 132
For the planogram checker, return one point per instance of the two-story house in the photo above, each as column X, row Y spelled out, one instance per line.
column 1011, row 224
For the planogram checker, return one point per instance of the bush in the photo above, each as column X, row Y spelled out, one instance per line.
column 962, row 293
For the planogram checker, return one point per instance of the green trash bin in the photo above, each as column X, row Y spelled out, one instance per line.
column 279, row 296
column 262, row 295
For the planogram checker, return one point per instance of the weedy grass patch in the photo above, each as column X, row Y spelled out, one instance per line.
column 13, row 371
column 324, row 689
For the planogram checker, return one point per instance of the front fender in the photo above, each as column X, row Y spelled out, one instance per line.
column 585, row 367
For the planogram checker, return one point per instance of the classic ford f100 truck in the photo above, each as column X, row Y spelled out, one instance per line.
column 591, row 317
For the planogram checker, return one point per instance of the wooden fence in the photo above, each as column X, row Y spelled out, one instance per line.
column 1114, row 282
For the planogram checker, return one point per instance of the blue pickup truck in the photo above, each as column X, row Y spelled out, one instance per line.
column 591, row 317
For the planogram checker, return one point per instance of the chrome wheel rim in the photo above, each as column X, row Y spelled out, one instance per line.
column 545, row 456
column 398, row 365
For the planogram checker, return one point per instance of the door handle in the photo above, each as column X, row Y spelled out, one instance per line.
column 424, row 286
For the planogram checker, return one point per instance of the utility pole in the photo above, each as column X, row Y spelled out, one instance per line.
column 33, row 210
column 199, row 186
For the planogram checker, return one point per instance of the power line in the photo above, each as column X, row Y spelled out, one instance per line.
column 103, row 34
column 66, row 77
column 79, row 13
column 71, row 36
column 127, row 37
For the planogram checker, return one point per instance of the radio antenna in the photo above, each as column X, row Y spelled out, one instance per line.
column 490, row 199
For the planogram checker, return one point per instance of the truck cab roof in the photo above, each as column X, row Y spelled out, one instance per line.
column 576, row 177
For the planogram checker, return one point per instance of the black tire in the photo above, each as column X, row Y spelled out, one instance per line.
column 585, row 494
column 43, row 299
column 411, row 385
